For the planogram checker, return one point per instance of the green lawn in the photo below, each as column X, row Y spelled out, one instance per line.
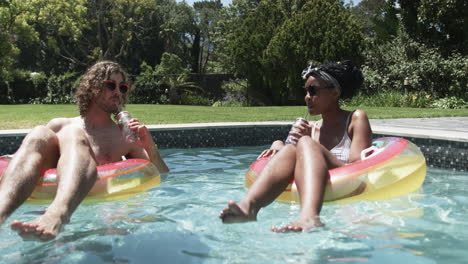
column 27, row 116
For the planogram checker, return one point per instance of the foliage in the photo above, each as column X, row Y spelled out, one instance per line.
column 451, row 102
column 378, row 18
column 147, row 88
column 207, row 16
column 14, row 27
column 390, row 99
column 236, row 94
column 22, row 86
column 193, row 99
column 388, row 65
column 269, row 42
column 419, row 99
column 171, row 64
column 60, row 89
column 305, row 36
column 437, row 23
column 383, row 99
column 175, row 78
column 266, row 42
column 230, row 101
column 165, row 83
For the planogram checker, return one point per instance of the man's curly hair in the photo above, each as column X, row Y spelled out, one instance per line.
column 91, row 83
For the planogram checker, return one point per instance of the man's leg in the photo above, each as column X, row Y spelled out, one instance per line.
column 38, row 151
column 77, row 174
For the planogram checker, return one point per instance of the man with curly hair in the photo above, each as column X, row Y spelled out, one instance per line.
column 75, row 146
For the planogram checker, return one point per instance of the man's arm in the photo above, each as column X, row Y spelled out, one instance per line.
column 145, row 148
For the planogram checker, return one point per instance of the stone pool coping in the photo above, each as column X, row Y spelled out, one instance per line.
column 443, row 141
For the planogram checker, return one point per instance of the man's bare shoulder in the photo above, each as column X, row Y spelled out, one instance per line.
column 57, row 124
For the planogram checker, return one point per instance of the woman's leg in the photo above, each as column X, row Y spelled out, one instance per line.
column 77, row 173
column 274, row 178
column 38, row 151
column 311, row 176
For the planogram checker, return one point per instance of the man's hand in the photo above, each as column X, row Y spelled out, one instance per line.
column 146, row 141
column 144, row 138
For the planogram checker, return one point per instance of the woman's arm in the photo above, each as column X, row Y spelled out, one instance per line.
column 360, row 133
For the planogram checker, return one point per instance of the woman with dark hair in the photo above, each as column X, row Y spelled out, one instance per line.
column 334, row 141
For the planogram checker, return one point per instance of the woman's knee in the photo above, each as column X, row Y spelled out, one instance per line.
column 306, row 143
column 277, row 144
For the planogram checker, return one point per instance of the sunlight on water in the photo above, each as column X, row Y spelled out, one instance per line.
column 177, row 222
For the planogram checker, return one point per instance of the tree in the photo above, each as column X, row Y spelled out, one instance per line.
column 178, row 29
column 388, row 65
column 15, row 26
column 174, row 77
column 270, row 42
column 244, row 34
column 207, row 15
column 437, row 23
column 378, row 18
column 58, row 25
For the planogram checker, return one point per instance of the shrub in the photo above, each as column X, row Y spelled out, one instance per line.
column 236, row 93
column 389, row 64
column 450, row 103
column 60, row 89
column 391, row 99
column 232, row 100
column 420, row 100
column 384, row 99
column 189, row 99
column 147, row 89
column 22, row 86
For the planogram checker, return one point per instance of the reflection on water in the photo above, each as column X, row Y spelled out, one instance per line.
column 177, row 222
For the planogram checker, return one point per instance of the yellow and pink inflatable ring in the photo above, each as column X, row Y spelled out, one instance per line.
column 115, row 181
column 395, row 167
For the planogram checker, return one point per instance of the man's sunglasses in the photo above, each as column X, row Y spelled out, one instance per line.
column 111, row 85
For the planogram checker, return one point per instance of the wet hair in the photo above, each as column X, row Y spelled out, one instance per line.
column 91, row 83
column 344, row 76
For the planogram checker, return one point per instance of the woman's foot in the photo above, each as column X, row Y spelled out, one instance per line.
column 299, row 226
column 237, row 213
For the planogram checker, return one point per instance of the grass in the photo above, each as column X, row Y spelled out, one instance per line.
column 28, row 116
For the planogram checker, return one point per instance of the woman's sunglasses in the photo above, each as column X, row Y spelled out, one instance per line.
column 111, row 85
column 312, row 90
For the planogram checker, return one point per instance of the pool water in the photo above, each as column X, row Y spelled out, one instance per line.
column 177, row 222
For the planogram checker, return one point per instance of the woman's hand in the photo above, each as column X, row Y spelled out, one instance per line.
column 300, row 130
column 268, row 153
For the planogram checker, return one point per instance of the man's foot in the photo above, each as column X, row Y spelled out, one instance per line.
column 299, row 226
column 43, row 228
column 236, row 213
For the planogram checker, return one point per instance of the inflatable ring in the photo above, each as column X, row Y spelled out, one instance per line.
column 115, row 181
column 394, row 168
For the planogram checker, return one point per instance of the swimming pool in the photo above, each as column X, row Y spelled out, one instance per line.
column 177, row 222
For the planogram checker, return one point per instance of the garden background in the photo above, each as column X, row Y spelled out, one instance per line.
column 413, row 53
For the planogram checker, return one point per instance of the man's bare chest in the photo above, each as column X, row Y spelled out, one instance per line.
column 107, row 145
